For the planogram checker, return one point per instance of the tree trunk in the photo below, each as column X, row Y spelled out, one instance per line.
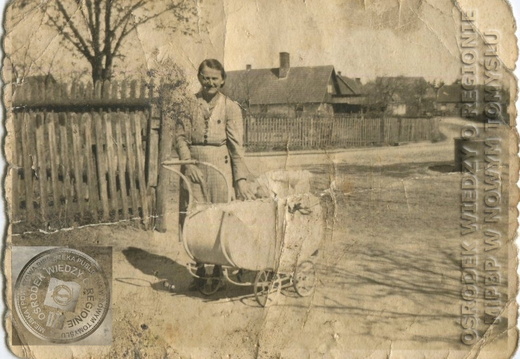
column 100, row 72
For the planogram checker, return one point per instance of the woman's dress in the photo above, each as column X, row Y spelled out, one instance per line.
column 213, row 133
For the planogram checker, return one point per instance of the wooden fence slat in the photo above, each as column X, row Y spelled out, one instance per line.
column 121, row 164
column 77, row 164
column 87, row 124
column 131, row 166
column 17, row 160
column 28, row 161
column 152, row 150
column 66, row 164
column 123, row 92
column 136, row 119
column 54, row 162
column 133, row 89
column 111, row 164
column 89, row 91
column 101, row 161
column 42, row 165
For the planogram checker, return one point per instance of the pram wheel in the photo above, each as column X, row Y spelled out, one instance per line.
column 267, row 287
column 210, row 285
column 304, row 279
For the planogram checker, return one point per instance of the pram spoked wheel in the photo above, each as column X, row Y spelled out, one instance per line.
column 267, row 287
column 209, row 282
column 304, row 278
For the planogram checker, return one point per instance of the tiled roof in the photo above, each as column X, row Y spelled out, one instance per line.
column 348, row 86
column 263, row 87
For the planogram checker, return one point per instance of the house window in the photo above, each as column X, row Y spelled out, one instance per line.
column 330, row 88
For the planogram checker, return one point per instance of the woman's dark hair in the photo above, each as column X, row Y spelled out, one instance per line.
column 213, row 64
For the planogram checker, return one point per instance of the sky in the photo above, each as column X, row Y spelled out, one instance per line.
column 361, row 38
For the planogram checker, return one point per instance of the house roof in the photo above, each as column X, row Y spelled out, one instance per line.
column 449, row 94
column 348, row 86
column 263, row 87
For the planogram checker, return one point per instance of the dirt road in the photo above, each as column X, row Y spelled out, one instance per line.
column 389, row 273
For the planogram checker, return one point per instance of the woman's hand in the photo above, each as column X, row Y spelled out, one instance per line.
column 194, row 174
column 244, row 190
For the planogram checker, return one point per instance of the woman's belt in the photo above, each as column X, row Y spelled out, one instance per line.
column 207, row 143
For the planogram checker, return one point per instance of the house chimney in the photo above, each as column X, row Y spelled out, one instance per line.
column 248, row 67
column 339, row 73
column 284, row 65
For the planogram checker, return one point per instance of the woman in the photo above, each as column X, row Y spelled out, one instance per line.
column 212, row 134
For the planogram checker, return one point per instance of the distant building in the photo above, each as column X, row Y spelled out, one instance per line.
column 448, row 100
column 406, row 96
column 290, row 91
column 350, row 97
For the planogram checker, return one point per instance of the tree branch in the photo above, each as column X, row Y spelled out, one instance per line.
column 119, row 41
column 139, row 23
column 68, row 21
column 97, row 27
column 107, row 42
column 60, row 28
column 90, row 21
column 124, row 19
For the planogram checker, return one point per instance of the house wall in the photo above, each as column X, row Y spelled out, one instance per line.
column 448, row 109
column 398, row 109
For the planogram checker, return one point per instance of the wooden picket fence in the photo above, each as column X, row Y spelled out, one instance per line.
column 280, row 133
column 82, row 155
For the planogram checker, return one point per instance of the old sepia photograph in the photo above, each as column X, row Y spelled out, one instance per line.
column 260, row 179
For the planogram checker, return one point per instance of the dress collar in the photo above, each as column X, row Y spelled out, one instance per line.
column 207, row 107
column 213, row 101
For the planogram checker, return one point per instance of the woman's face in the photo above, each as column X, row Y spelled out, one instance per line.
column 211, row 80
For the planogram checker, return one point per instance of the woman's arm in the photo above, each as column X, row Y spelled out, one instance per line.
column 182, row 138
column 235, row 135
column 182, row 145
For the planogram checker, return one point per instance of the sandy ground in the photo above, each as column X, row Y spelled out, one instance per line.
column 388, row 271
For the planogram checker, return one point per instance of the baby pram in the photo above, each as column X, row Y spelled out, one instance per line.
column 277, row 237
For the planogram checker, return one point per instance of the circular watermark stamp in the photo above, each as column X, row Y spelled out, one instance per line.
column 62, row 295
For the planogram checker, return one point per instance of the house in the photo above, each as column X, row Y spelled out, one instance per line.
column 288, row 91
column 350, row 97
column 448, row 100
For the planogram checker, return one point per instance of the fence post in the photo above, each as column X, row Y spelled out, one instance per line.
column 246, row 130
column 165, row 132
column 382, row 131
column 399, row 129
column 153, row 169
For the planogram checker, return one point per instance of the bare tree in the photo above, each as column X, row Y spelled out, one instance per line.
column 415, row 92
column 97, row 29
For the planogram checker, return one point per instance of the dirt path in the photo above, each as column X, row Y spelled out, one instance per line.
column 388, row 271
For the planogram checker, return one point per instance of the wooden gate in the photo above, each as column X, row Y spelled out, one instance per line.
column 83, row 155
